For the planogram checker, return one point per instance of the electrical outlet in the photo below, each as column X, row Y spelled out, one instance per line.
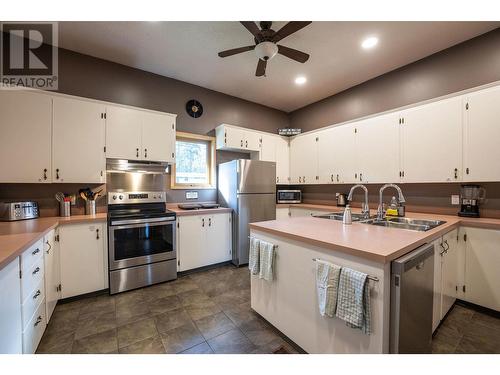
column 455, row 200
column 191, row 195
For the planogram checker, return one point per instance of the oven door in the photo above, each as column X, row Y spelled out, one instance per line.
column 139, row 242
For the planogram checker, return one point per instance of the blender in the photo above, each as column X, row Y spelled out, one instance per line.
column 470, row 198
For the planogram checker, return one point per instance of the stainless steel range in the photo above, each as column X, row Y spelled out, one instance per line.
column 141, row 231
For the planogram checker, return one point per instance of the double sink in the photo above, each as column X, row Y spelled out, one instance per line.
column 389, row 222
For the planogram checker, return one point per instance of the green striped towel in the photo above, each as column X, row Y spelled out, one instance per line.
column 327, row 282
column 254, row 256
column 266, row 261
column 353, row 301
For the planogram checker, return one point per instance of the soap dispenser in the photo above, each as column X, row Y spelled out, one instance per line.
column 347, row 218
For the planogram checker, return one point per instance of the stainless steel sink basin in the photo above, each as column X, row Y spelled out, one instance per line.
column 339, row 216
column 406, row 223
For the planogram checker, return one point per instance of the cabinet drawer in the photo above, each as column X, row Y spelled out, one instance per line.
column 31, row 277
column 32, row 302
column 34, row 330
column 31, row 255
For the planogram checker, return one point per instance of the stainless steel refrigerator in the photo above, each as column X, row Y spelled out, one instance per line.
column 249, row 188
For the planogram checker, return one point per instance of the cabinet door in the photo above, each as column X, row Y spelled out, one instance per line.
column 233, row 138
column 10, row 309
column 436, row 300
column 191, row 235
column 449, row 272
column 268, row 148
column 282, row 160
column 282, row 213
column 78, row 141
column 123, row 133
column 251, row 140
column 52, row 272
column 482, row 262
column 343, row 154
column 82, row 258
column 158, row 137
column 326, row 165
column 304, row 159
column 432, row 142
column 377, row 149
column 25, row 142
column 218, row 241
column 482, row 132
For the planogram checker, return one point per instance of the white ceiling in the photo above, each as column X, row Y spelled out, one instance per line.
column 188, row 51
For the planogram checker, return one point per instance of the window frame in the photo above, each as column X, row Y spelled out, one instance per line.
column 190, row 137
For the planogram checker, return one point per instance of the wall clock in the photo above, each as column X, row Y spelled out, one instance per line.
column 194, row 108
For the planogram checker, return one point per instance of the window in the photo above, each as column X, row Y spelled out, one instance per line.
column 194, row 162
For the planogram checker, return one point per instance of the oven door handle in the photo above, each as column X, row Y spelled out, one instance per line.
column 165, row 220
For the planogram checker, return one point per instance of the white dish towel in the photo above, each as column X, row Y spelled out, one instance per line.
column 254, row 256
column 327, row 283
column 266, row 260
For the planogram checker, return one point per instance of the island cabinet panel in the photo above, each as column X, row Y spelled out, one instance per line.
column 290, row 302
column 482, row 132
column 11, row 338
column 431, row 142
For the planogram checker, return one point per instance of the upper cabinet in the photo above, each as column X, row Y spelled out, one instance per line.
column 431, row 142
column 282, row 160
column 78, row 141
column 481, row 135
column 139, row 135
column 304, row 159
column 234, row 138
column 25, row 142
column 267, row 147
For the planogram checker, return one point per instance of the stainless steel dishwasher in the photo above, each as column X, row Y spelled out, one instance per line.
column 412, row 283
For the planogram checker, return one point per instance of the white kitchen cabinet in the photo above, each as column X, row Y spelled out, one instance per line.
column 282, row 212
column 52, row 264
column 123, row 133
column 234, row 138
column 78, row 141
column 327, row 172
column 82, row 253
column 436, row 300
column 268, row 147
column 482, row 265
column 344, row 161
column 304, row 159
column 377, row 149
column 481, row 135
column 282, row 160
column 431, row 142
column 158, row 137
column 10, row 309
column 25, row 141
column 203, row 240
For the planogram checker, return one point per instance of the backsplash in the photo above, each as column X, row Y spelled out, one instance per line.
column 427, row 198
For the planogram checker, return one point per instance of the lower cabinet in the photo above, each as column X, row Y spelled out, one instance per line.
column 203, row 240
column 282, row 213
column 11, row 339
column 82, row 253
column 52, row 262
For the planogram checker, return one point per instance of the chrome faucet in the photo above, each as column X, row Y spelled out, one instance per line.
column 401, row 199
column 365, row 210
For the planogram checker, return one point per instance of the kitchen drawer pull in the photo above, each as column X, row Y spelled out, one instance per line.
column 36, row 251
column 300, row 179
column 57, row 174
column 38, row 320
column 136, row 152
column 49, row 245
column 209, row 221
column 37, row 294
column 36, row 270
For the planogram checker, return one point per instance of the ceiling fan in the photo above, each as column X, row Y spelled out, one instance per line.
column 265, row 43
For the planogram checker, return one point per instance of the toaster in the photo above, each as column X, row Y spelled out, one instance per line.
column 12, row 211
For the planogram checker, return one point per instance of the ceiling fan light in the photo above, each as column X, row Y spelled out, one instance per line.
column 266, row 50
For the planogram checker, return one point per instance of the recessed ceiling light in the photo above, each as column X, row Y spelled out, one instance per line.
column 300, row 80
column 369, row 42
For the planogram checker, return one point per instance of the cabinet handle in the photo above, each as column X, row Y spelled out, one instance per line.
column 456, row 173
column 136, row 152
column 447, row 246
column 303, row 178
column 467, row 170
column 277, row 179
column 361, row 177
column 300, row 179
column 331, row 177
column 38, row 321
column 241, row 143
column 36, row 251
column 36, row 270
column 49, row 245
column 203, row 222
column 45, row 174
column 37, row 294
column 246, row 144
column 145, row 152
column 209, row 221
column 97, row 234
column 337, row 177
column 355, row 176
column 444, row 250
column 57, row 174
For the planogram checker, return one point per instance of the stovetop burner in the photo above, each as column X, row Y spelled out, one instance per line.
column 139, row 211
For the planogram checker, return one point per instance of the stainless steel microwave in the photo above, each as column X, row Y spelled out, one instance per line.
column 289, row 196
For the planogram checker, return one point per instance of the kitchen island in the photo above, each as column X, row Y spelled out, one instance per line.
column 290, row 303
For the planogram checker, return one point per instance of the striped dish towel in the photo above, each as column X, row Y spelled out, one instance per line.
column 353, row 303
column 254, row 256
column 327, row 282
column 266, row 260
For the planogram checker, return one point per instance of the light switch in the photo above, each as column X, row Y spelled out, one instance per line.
column 455, row 200
column 191, row 195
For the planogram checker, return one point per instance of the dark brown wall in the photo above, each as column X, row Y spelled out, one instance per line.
column 466, row 65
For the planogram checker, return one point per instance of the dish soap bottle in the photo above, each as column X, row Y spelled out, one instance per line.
column 393, row 208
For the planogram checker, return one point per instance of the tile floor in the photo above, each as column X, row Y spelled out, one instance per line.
column 209, row 312
column 205, row 312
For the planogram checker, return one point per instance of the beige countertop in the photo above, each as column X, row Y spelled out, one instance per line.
column 379, row 244
column 17, row 236
column 201, row 211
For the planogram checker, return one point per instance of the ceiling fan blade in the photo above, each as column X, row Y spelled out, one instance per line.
column 293, row 54
column 261, row 68
column 235, row 51
column 251, row 26
column 289, row 28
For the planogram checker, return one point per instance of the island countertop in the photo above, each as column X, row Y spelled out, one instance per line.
column 371, row 242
